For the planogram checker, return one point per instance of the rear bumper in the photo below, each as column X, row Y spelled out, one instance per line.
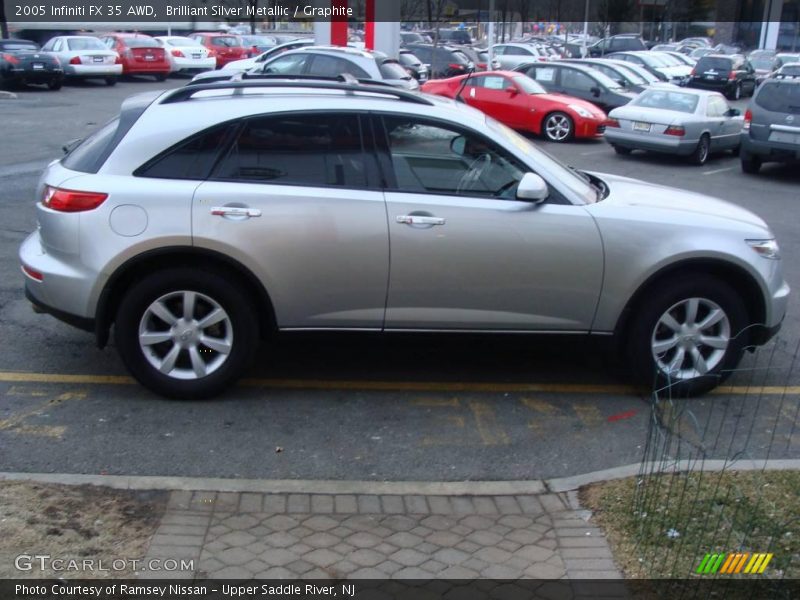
column 668, row 144
column 31, row 75
column 770, row 151
column 157, row 67
column 83, row 323
column 92, row 70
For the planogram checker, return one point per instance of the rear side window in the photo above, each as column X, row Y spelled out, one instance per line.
column 310, row 149
column 779, row 96
column 192, row 158
column 392, row 70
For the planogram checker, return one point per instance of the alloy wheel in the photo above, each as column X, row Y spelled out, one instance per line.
column 558, row 127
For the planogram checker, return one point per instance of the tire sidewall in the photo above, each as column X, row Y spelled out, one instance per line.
column 656, row 303
column 241, row 312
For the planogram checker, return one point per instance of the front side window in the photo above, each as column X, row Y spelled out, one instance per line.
column 291, row 64
column 717, row 107
column 306, row 149
column 576, row 80
column 434, row 158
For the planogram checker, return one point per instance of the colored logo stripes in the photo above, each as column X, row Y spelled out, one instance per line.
column 734, row 562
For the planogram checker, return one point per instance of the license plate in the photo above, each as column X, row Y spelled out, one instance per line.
column 197, row 56
column 38, row 66
column 639, row 126
column 98, row 59
column 149, row 57
column 785, row 137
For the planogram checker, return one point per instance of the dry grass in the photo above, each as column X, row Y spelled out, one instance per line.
column 710, row 512
column 74, row 522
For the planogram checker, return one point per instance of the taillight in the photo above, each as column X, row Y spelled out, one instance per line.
column 10, row 58
column 676, row 130
column 75, row 60
column 32, row 274
column 456, row 66
column 481, row 65
column 178, row 53
column 71, row 200
column 692, row 74
column 612, row 123
column 212, row 53
column 731, row 76
column 748, row 118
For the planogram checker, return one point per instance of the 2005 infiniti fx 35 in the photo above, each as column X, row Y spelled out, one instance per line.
column 204, row 217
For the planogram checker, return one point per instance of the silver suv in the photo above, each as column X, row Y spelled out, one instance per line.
column 203, row 218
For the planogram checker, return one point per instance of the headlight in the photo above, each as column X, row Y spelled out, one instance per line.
column 585, row 113
column 765, row 248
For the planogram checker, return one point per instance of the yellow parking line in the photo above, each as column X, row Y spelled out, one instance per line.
column 405, row 386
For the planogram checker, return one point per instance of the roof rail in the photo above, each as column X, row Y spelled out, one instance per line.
column 342, row 83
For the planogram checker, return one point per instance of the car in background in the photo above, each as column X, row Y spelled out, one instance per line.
column 625, row 42
column 412, row 37
column 442, row 61
column 699, row 53
column 518, row 101
column 139, row 54
column 460, row 37
column 223, row 47
column 680, row 121
column 186, row 55
column 681, row 58
column 762, row 53
column 326, row 62
column 209, row 217
column 730, row 74
column 579, row 82
column 661, row 66
column 246, row 64
column 510, row 56
column 85, row 57
column 703, row 42
column 257, row 44
column 764, row 66
column 480, row 58
column 772, row 124
column 413, row 65
column 789, row 70
column 23, row 63
column 618, row 70
column 784, row 58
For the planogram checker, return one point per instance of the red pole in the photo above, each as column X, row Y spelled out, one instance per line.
column 339, row 24
column 369, row 25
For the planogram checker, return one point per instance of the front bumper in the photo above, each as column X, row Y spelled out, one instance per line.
column 668, row 144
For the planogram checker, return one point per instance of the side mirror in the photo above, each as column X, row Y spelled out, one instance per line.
column 532, row 188
column 595, row 91
column 458, row 145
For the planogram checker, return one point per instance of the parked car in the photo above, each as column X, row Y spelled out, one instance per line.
column 660, row 66
column 764, row 66
column 681, row 58
column 772, row 124
column 139, row 54
column 325, row 61
column 85, row 57
column 732, row 75
column 412, row 37
column 22, row 63
column 256, row 44
column 784, row 58
column 192, row 250
column 479, row 58
column 680, row 121
column 510, row 56
column 699, row 53
column 185, row 55
column 519, row 102
column 240, row 66
column 452, row 36
column 579, row 82
column 222, row 46
column 442, row 61
column 617, row 43
column 413, row 65
column 616, row 70
column 789, row 70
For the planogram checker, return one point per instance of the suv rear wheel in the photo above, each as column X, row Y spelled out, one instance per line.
column 186, row 333
column 750, row 163
column 687, row 335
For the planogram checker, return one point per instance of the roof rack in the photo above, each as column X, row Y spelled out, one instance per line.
column 346, row 83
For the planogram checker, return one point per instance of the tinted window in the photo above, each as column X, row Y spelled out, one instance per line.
column 140, row 42
column 85, row 44
column 409, row 59
column 516, row 51
column 424, row 54
column 331, row 66
column 315, row 150
column 447, row 55
column 425, row 160
column 709, row 62
column 779, row 96
column 392, row 70
column 192, row 158
column 576, row 80
column 229, row 42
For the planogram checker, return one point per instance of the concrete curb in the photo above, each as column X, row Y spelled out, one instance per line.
column 405, row 488
column 7, row 95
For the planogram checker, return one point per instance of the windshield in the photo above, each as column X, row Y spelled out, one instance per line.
column 706, row 63
column 632, row 76
column 670, row 60
column 642, row 72
column 230, row 42
column 765, row 63
column 86, row 43
column 528, row 85
column 258, row 40
column 182, row 41
column 665, row 99
column 652, row 60
column 571, row 179
column 140, row 42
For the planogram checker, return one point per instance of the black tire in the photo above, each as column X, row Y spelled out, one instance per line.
column 700, row 155
column 645, row 320
column 750, row 163
column 111, row 81
column 565, row 120
column 735, row 151
column 54, row 84
column 622, row 151
column 162, row 76
column 243, row 323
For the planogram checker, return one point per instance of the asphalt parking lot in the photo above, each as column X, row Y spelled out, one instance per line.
column 347, row 406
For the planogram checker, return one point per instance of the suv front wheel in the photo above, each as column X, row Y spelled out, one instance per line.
column 186, row 333
column 687, row 335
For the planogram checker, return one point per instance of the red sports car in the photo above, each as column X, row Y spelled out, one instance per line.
column 518, row 101
column 139, row 54
column 225, row 47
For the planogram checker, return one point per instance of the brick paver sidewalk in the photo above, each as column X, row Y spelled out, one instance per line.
column 309, row 536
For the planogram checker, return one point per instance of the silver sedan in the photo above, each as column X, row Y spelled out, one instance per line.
column 692, row 123
column 84, row 56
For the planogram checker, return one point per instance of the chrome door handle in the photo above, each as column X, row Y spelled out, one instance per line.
column 420, row 220
column 235, row 211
